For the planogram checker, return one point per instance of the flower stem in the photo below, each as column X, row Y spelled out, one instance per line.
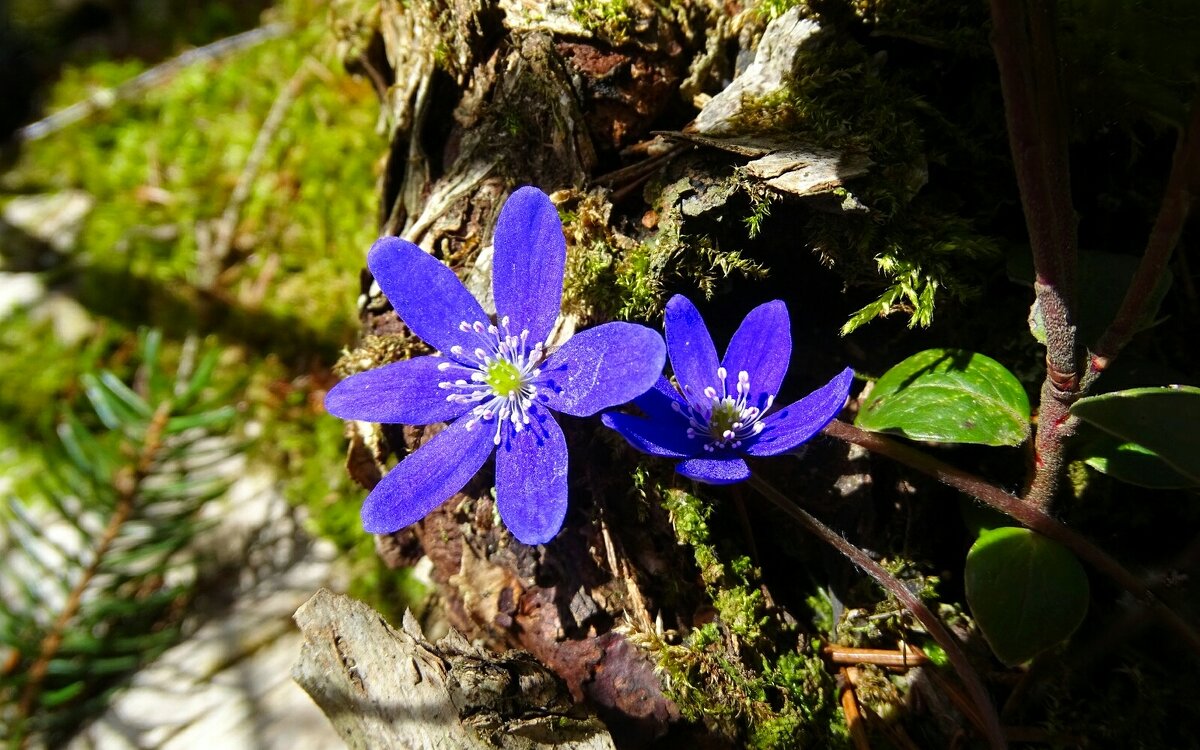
column 895, row 587
column 1023, row 40
column 1024, row 513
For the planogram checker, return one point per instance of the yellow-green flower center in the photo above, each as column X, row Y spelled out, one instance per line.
column 503, row 377
column 499, row 379
column 725, row 419
column 725, row 415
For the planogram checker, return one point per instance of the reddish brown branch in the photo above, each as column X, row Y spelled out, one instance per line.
column 1024, row 513
column 1023, row 40
column 1183, row 184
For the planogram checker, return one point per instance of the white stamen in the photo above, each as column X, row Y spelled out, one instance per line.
column 726, row 420
column 499, row 353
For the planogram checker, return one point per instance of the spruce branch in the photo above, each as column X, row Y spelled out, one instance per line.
column 90, row 549
column 127, row 482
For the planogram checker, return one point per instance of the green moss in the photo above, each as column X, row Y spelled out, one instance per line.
column 160, row 169
column 806, row 697
column 611, row 275
column 613, row 20
column 772, row 9
column 922, row 239
column 740, row 673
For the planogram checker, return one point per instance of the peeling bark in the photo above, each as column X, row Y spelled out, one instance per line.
column 391, row 688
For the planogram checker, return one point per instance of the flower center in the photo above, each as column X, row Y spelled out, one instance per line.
column 726, row 419
column 504, row 377
column 500, row 379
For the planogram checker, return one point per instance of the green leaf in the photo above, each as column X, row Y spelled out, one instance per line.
column 1027, row 592
column 1134, row 464
column 949, row 395
column 1161, row 420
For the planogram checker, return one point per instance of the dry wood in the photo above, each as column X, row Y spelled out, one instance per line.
column 387, row 688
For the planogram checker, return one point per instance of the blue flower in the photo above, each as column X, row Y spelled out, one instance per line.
column 497, row 380
column 725, row 411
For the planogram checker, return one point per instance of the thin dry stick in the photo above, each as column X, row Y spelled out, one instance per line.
column 107, row 98
column 1022, row 512
column 209, row 263
column 1023, row 40
column 990, row 721
column 903, row 659
column 127, row 481
column 854, row 718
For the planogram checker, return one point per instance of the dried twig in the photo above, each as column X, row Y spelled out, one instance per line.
column 850, row 708
column 212, row 254
column 990, row 721
column 107, row 98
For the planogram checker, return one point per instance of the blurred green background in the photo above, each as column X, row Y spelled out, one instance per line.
column 109, row 226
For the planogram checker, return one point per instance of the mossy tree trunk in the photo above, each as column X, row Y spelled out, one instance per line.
column 483, row 96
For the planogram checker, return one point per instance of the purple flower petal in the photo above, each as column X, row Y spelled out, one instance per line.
column 427, row 295
column 427, row 478
column 531, row 480
column 795, row 423
column 762, row 347
column 657, row 402
column 693, row 356
column 527, row 271
column 658, row 437
column 600, row 368
column 715, row 470
column 399, row 393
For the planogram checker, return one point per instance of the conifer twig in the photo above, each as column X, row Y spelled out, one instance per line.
column 127, row 482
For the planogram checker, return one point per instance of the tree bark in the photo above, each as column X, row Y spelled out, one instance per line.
column 481, row 97
column 386, row 688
